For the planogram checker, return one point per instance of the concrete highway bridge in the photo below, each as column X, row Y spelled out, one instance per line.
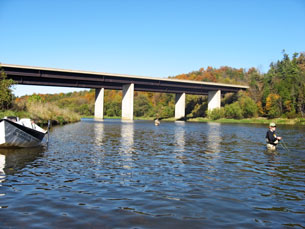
column 100, row 81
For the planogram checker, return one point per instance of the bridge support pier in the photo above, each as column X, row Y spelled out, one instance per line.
column 99, row 103
column 127, row 101
column 214, row 98
column 180, row 106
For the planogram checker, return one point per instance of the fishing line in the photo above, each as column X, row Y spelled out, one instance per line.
column 284, row 145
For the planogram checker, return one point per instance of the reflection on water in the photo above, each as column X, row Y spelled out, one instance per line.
column 12, row 160
column 113, row 174
column 180, row 142
column 179, row 135
column 214, row 139
column 2, row 166
column 213, row 146
column 127, row 136
column 99, row 134
column 127, row 141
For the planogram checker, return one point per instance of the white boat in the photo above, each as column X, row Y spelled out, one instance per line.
column 20, row 133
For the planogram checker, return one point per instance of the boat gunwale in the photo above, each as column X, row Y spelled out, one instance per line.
column 34, row 133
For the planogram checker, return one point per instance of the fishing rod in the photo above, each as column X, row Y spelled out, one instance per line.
column 284, row 145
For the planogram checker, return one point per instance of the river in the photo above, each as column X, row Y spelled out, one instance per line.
column 115, row 174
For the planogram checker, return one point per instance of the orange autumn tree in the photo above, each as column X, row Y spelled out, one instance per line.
column 273, row 105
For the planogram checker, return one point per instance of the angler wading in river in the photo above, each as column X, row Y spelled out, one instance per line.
column 271, row 138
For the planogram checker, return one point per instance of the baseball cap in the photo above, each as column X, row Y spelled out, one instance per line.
column 272, row 124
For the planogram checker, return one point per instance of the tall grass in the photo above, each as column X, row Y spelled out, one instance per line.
column 42, row 112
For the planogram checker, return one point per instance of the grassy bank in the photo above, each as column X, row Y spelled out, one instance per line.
column 296, row 121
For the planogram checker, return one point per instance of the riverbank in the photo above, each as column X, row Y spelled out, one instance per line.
column 66, row 117
column 260, row 120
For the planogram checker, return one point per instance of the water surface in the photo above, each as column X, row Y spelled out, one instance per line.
column 115, row 174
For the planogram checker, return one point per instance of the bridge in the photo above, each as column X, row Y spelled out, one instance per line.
column 100, row 81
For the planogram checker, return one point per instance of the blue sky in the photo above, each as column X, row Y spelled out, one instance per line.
column 157, row 38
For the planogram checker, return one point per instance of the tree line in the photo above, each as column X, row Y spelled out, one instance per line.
column 278, row 93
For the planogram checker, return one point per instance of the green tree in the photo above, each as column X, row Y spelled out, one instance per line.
column 300, row 100
column 6, row 95
column 35, row 99
column 142, row 106
column 216, row 113
column 286, row 78
column 255, row 80
column 196, row 106
column 164, row 105
column 248, row 106
column 233, row 111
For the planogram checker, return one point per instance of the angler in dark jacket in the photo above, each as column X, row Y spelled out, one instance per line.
column 271, row 138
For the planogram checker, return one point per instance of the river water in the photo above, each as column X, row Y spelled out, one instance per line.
column 114, row 174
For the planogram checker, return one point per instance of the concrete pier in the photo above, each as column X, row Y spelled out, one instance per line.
column 127, row 101
column 214, row 99
column 99, row 103
column 180, row 106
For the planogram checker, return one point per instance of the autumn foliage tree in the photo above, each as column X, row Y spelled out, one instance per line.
column 273, row 105
column 279, row 92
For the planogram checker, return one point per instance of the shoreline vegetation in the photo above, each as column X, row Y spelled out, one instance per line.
column 258, row 120
column 41, row 113
column 276, row 96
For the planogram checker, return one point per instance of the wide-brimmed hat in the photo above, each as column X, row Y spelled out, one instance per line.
column 272, row 124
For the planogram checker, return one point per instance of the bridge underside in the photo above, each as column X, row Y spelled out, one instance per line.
column 100, row 81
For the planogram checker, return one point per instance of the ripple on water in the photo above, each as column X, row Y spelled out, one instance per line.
column 115, row 174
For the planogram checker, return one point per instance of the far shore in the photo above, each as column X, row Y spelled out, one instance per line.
column 259, row 120
column 64, row 120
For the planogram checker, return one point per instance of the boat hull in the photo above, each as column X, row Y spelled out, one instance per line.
column 15, row 135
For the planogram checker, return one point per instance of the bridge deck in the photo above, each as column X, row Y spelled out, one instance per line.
column 28, row 75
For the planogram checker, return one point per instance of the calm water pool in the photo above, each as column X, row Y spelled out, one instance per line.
column 115, row 174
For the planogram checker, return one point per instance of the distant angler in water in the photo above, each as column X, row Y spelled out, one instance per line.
column 157, row 122
column 271, row 138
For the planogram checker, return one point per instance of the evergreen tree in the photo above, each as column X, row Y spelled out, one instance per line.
column 285, row 81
